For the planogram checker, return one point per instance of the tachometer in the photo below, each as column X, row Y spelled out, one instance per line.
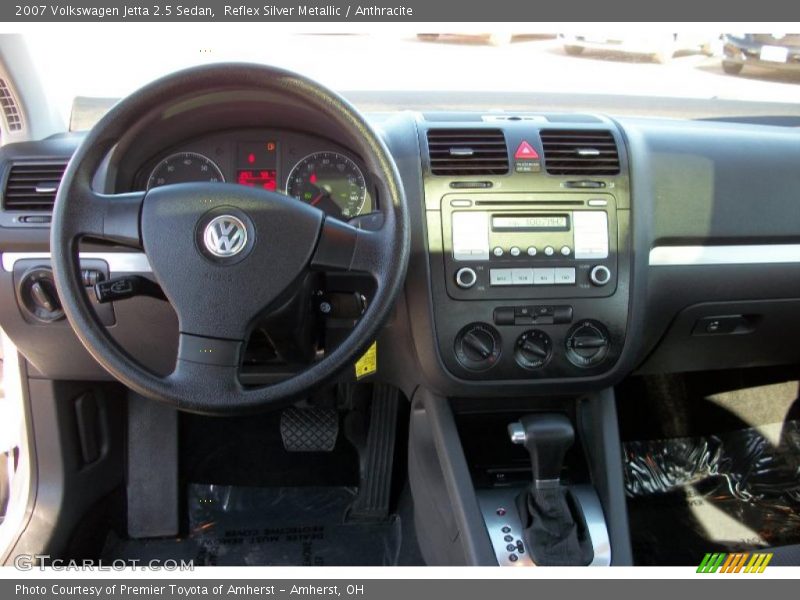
column 331, row 182
column 184, row 167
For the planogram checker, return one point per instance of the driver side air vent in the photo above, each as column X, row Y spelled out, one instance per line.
column 579, row 152
column 10, row 109
column 468, row 152
column 32, row 186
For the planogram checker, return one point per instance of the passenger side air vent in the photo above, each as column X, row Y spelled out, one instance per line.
column 10, row 109
column 579, row 152
column 32, row 186
column 468, row 152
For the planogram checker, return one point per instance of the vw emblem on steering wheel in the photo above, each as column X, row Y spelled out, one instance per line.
column 225, row 236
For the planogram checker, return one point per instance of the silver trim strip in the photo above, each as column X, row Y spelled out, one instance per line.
column 673, row 256
column 595, row 523
column 118, row 262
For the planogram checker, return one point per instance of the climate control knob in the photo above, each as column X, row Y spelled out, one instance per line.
column 478, row 346
column 587, row 344
column 533, row 349
column 466, row 278
column 600, row 275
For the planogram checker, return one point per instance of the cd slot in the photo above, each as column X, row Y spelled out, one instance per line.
column 500, row 203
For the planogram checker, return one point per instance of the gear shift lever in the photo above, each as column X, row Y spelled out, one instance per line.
column 546, row 437
column 554, row 528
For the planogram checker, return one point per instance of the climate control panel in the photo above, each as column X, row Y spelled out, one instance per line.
column 533, row 341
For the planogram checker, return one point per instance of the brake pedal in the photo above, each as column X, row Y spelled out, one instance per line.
column 309, row 429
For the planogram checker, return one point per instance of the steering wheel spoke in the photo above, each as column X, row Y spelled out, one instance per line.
column 206, row 350
column 343, row 247
column 220, row 382
column 208, row 363
column 111, row 217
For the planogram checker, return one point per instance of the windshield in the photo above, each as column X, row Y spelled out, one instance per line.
column 508, row 68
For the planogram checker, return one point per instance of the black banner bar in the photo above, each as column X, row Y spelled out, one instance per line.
column 396, row 11
column 387, row 589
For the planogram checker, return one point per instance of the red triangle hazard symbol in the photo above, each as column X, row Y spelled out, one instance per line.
column 526, row 151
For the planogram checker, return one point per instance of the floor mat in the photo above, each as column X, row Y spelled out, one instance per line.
column 735, row 491
column 235, row 526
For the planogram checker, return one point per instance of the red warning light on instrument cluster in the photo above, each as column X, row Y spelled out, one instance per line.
column 263, row 178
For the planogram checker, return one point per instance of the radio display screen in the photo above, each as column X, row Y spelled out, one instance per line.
column 530, row 222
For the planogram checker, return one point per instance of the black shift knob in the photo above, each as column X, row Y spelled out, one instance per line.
column 546, row 437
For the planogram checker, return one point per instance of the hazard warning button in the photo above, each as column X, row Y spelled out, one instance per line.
column 526, row 152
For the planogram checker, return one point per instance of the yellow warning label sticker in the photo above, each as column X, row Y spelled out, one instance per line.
column 367, row 364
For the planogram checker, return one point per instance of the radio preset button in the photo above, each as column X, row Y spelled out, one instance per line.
column 514, row 251
column 500, row 277
column 531, row 251
column 549, row 251
column 566, row 250
column 466, row 278
column 565, row 276
column 544, row 276
column 498, row 251
column 522, row 276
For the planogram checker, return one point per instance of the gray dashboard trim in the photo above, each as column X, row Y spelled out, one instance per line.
column 118, row 262
column 724, row 255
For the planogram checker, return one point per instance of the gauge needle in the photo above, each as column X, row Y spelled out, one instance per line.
column 315, row 200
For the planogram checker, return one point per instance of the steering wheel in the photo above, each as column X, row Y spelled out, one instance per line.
column 224, row 253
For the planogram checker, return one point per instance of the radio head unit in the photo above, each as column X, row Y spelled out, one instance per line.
column 553, row 247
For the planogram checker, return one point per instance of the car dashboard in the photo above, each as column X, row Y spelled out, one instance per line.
column 551, row 253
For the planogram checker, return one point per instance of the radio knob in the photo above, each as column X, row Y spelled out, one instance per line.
column 514, row 251
column 549, row 251
column 531, row 250
column 466, row 278
column 600, row 275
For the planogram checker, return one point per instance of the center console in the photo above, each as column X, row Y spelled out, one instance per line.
column 528, row 229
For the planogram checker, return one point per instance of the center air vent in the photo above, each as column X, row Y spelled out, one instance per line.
column 579, row 152
column 468, row 152
column 32, row 186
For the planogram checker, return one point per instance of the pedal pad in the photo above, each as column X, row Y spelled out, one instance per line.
column 377, row 458
column 309, row 429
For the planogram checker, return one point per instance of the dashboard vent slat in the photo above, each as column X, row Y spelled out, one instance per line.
column 32, row 186
column 467, row 152
column 580, row 152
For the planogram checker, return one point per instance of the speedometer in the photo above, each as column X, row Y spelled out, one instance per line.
column 331, row 182
column 184, row 167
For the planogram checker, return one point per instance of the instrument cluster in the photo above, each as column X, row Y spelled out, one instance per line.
column 310, row 169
